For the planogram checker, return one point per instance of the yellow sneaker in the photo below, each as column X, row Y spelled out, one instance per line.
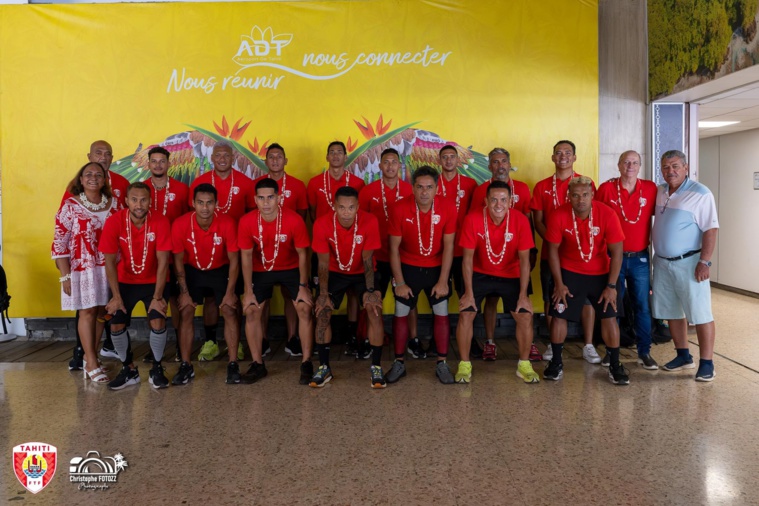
column 240, row 352
column 464, row 373
column 526, row 372
column 208, row 352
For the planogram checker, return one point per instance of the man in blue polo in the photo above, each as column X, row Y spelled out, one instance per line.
column 684, row 236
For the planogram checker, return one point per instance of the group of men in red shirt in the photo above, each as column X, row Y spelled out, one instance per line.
column 227, row 240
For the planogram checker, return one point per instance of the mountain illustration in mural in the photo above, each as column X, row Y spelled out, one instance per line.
column 191, row 152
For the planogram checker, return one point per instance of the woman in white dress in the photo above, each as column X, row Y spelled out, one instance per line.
column 84, row 285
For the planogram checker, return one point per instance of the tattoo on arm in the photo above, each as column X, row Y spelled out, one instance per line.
column 369, row 272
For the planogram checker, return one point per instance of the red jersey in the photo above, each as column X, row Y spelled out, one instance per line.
column 403, row 223
column 279, row 254
column 606, row 230
column 170, row 201
column 291, row 190
column 322, row 188
column 235, row 203
column 119, row 185
column 497, row 261
column 458, row 191
column 371, row 200
column 520, row 196
column 544, row 199
column 346, row 245
column 634, row 210
column 204, row 249
column 137, row 247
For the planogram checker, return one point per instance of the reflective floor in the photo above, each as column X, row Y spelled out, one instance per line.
column 665, row 439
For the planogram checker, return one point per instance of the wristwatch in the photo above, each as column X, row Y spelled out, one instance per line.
column 707, row 263
column 613, row 286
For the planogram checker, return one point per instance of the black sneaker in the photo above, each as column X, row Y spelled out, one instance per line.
column 183, row 375
column 554, row 371
column 125, row 378
column 148, row 358
column 233, row 374
column 77, row 361
column 475, row 351
column 306, row 372
column 293, row 347
column 363, row 350
column 647, row 362
column 157, row 378
column 322, row 377
column 265, row 347
column 606, row 360
column 415, row 348
column 378, row 378
column 108, row 351
column 350, row 346
column 618, row 375
column 255, row 372
column 178, row 357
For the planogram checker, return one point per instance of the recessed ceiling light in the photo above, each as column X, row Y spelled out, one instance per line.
column 715, row 124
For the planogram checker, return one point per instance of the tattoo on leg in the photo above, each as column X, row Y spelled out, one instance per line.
column 322, row 324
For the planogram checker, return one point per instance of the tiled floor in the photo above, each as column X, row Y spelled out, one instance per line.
column 665, row 439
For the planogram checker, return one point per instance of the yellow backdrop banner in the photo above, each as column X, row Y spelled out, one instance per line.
column 409, row 74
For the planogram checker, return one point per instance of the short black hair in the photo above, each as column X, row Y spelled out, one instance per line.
column 425, row 170
column 205, row 188
column 448, row 146
column 390, row 151
column 564, row 141
column 275, row 146
column 499, row 185
column 139, row 185
column 267, row 183
column 337, row 143
column 160, row 150
column 346, row 191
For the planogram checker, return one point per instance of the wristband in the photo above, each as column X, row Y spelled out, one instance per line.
column 65, row 278
column 401, row 283
column 304, row 285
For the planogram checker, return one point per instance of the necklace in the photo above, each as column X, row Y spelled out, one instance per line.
column 327, row 186
column 137, row 270
column 344, row 267
column 495, row 259
column 278, row 230
column 622, row 208
column 193, row 221
column 165, row 196
column 426, row 251
column 384, row 199
column 282, row 188
column 458, row 189
column 583, row 256
column 92, row 206
column 228, row 206
column 555, row 194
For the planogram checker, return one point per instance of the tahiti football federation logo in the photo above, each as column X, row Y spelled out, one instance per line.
column 34, row 465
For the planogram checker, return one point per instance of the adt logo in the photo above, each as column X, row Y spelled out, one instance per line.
column 261, row 44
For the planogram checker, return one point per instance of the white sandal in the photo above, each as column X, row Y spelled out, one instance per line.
column 96, row 375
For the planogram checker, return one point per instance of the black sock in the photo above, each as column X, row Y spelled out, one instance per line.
column 613, row 356
column 352, row 328
column 76, row 329
column 323, row 351
column 211, row 332
column 376, row 355
column 557, row 349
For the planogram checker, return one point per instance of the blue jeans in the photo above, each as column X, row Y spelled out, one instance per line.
column 635, row 275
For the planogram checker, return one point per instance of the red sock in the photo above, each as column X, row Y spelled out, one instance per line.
column 400, row 335
column 441, row 329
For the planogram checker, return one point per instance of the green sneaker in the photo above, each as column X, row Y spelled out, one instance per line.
column 240, row 352
column 464, row 374
column 526, row 372
column 208, row 352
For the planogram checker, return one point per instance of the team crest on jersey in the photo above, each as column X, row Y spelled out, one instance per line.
column 595, row 231
column 643, row 201
column 171, row 197
column 359, row 239
column 216, row 239
column 509, row 237
column 117, row 192
column 34, row 465
column 287, row 193
column 560, row 307
column 461, row 194
column 282, row 237
column 515, row 198
column 235, row 190
column 151, row 236
column 435, row 219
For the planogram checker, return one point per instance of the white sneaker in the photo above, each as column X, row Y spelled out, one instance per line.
column 548, row 354
column 590, row 354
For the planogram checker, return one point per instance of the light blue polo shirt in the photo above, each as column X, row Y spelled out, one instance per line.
column 682, row 218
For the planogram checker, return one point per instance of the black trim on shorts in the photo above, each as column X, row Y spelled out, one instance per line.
column 583, row 287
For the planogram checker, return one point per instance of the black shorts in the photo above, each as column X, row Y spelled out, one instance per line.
column 583, row 287
column 484, row 285
column 340, row 283
column 131, row 294
column 421, row 278
column 263, row 283
column 314, row 281
column 457, row 275
column 202, row 284
column 383, row 276
column 546, row 280
column 173, row 285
